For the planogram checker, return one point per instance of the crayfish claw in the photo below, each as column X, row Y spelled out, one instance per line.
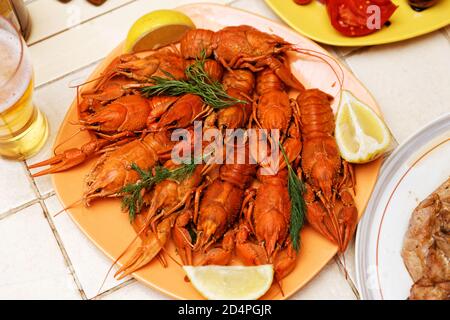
column 70, row 158
column 51, row 161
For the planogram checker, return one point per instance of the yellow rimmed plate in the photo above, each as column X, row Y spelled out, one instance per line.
column 313, row 22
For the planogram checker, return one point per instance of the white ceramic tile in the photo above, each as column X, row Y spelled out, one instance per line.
column 54, row 99
column 91, row 41
column 328, row 284
column 50, row 17
column 14, row 194
column 257, row 7
column 409, row 79
column 89, row 263
column 32, row 266
column 134, row 291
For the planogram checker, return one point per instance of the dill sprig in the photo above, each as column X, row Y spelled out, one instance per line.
column 133, row 201
column 296, row 190
column 198, row 82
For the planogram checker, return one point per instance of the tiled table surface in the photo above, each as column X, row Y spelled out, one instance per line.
column 47, row 257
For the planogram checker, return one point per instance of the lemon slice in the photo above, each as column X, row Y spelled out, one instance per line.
column 361, row 134
column 157, row 29
column 231, row 282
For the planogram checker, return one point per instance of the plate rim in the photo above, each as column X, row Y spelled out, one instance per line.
column 359, row 43
column 386, row 171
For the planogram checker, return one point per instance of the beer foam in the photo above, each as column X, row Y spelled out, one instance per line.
column 15, row 74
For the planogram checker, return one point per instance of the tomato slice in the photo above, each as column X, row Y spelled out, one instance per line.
column 354, row 18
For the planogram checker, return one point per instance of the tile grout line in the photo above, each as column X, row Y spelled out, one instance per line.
column 19, row 208
column 228, row 3
column 34, row 185
column 114, row 289
column 25, row 205
column 49, row 82
column 365, row 48
column 31, row 180
column 356, row 51
column 30, row 203
column 80, row 24
column 343, row 59
column 41, row 200
column 62, row 249
column 48, row 195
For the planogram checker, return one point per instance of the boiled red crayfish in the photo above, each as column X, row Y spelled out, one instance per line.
column 241, row 47
column 330, row 206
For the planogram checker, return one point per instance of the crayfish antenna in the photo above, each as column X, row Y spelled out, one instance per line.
column 117, row 260
column 86, row 82
column 202, row 242
column 162, row 260
column 150, row 248
column 278, row 282
column 321, row 56
column 170, row 257
column 73, row 135
column 68, row 207
column 340, row 259
column 199, row 242
column 119, row 257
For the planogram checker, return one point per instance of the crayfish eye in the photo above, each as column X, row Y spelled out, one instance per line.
column 98, row 190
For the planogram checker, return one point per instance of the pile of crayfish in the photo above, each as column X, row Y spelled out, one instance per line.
column 214, row 214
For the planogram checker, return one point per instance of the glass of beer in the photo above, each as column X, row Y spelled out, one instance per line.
column 23, row 128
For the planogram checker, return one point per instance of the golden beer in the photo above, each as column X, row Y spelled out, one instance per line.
column 23, row 128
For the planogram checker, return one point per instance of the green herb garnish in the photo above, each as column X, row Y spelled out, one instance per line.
column 198, row 82
column 133, row 193
column 296, row 190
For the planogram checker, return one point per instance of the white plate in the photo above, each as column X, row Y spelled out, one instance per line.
column 409, row 175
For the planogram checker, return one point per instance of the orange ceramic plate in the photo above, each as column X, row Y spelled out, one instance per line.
column 109, row 228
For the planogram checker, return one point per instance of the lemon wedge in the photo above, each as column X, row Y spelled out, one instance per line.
column 361, row 134
column 231, row 282
column 157, row 29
